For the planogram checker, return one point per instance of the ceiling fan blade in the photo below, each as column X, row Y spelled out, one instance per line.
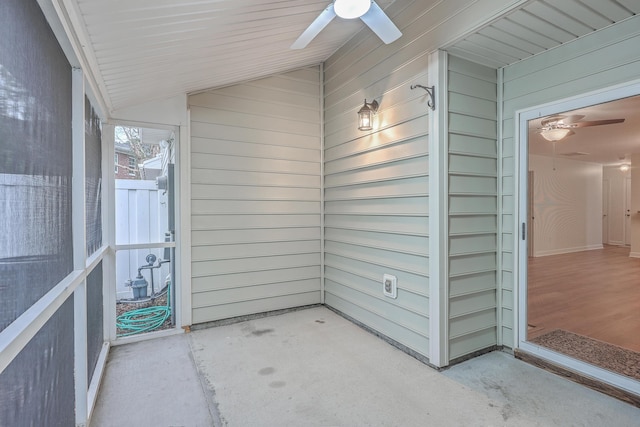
column 314, row 29
column 597, row 123
column 572, row 118
column 380, row 24
column 551, row 120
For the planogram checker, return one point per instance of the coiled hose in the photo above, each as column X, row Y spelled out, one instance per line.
column 144, row 319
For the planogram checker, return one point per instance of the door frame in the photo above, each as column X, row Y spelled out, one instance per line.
column 521, row 235
column 626, row 219
column 606, row 196
column 108, row 143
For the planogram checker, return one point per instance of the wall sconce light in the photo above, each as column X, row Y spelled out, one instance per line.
column 365, row 115
column 431, row 92
column 624, row 167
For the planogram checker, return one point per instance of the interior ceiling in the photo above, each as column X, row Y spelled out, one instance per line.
column 145, row 50
column 609, row 144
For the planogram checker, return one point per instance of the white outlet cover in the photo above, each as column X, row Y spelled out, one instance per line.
column 393, row 281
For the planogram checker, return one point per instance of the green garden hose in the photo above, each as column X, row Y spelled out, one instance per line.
column 143, row 319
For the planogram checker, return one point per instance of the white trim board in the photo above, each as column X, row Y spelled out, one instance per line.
column 17, row 335
column 438, row 207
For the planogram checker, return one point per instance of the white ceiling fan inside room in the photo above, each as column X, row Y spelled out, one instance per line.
column 367, row 10
column 556, row 128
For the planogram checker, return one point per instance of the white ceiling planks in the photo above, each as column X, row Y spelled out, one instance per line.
column 538, row 26
column 633, row 5
column 146, row 50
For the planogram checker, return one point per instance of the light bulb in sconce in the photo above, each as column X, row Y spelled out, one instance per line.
column 365, row 115
column 624, row 167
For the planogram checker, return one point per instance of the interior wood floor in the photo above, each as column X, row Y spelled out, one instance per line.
column 592, row 293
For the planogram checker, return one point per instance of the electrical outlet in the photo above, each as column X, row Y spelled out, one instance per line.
column 390, row 286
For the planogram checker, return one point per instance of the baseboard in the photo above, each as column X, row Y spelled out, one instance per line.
column 568, row 250
column 473, row 355
column 238, row 319
column 634, row 254
column 418, row 356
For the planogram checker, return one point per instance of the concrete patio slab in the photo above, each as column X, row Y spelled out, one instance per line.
column 152, row 383
column 314, row 368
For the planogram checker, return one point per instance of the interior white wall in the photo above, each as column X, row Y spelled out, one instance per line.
column 567, row 205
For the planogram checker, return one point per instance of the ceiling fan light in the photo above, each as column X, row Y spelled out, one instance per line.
column 555, row 134
column 351, row 9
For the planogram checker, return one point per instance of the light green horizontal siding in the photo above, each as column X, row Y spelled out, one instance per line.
column 607, row 57
column 381, row 322
column 266, row 179
column 412, row 225
column 376, row 188
column 253, row 278
column 260, row 305
column 473, row 166
column 256, row 189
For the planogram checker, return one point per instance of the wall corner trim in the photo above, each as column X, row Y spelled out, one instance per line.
column 438, row 208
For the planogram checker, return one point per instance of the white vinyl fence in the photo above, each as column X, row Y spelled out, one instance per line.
column 141, row 217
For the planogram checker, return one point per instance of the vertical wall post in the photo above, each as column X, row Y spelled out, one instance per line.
column 322, row 226
column 109, row 233
column 500, row 224
column 183, row 244
column 438, row 213
column 79, row 247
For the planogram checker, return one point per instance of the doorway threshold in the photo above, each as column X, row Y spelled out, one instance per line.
column 579, row 378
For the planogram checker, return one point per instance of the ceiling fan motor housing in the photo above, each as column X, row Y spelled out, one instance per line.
column 351, row 9
column 367, row 10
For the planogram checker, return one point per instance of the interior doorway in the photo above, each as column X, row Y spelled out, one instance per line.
column 575, row 289
column 144, row 224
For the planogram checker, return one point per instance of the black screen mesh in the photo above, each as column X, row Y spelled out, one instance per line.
column 95, row 330
column 35, row 159
column 37, row 388
column 93, row 175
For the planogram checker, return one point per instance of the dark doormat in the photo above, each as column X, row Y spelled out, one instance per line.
column 598, row 353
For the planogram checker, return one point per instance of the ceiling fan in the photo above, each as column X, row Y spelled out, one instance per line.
column 367, row 10
column 556, row 128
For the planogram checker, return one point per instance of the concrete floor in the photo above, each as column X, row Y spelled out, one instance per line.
column 314, row 368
